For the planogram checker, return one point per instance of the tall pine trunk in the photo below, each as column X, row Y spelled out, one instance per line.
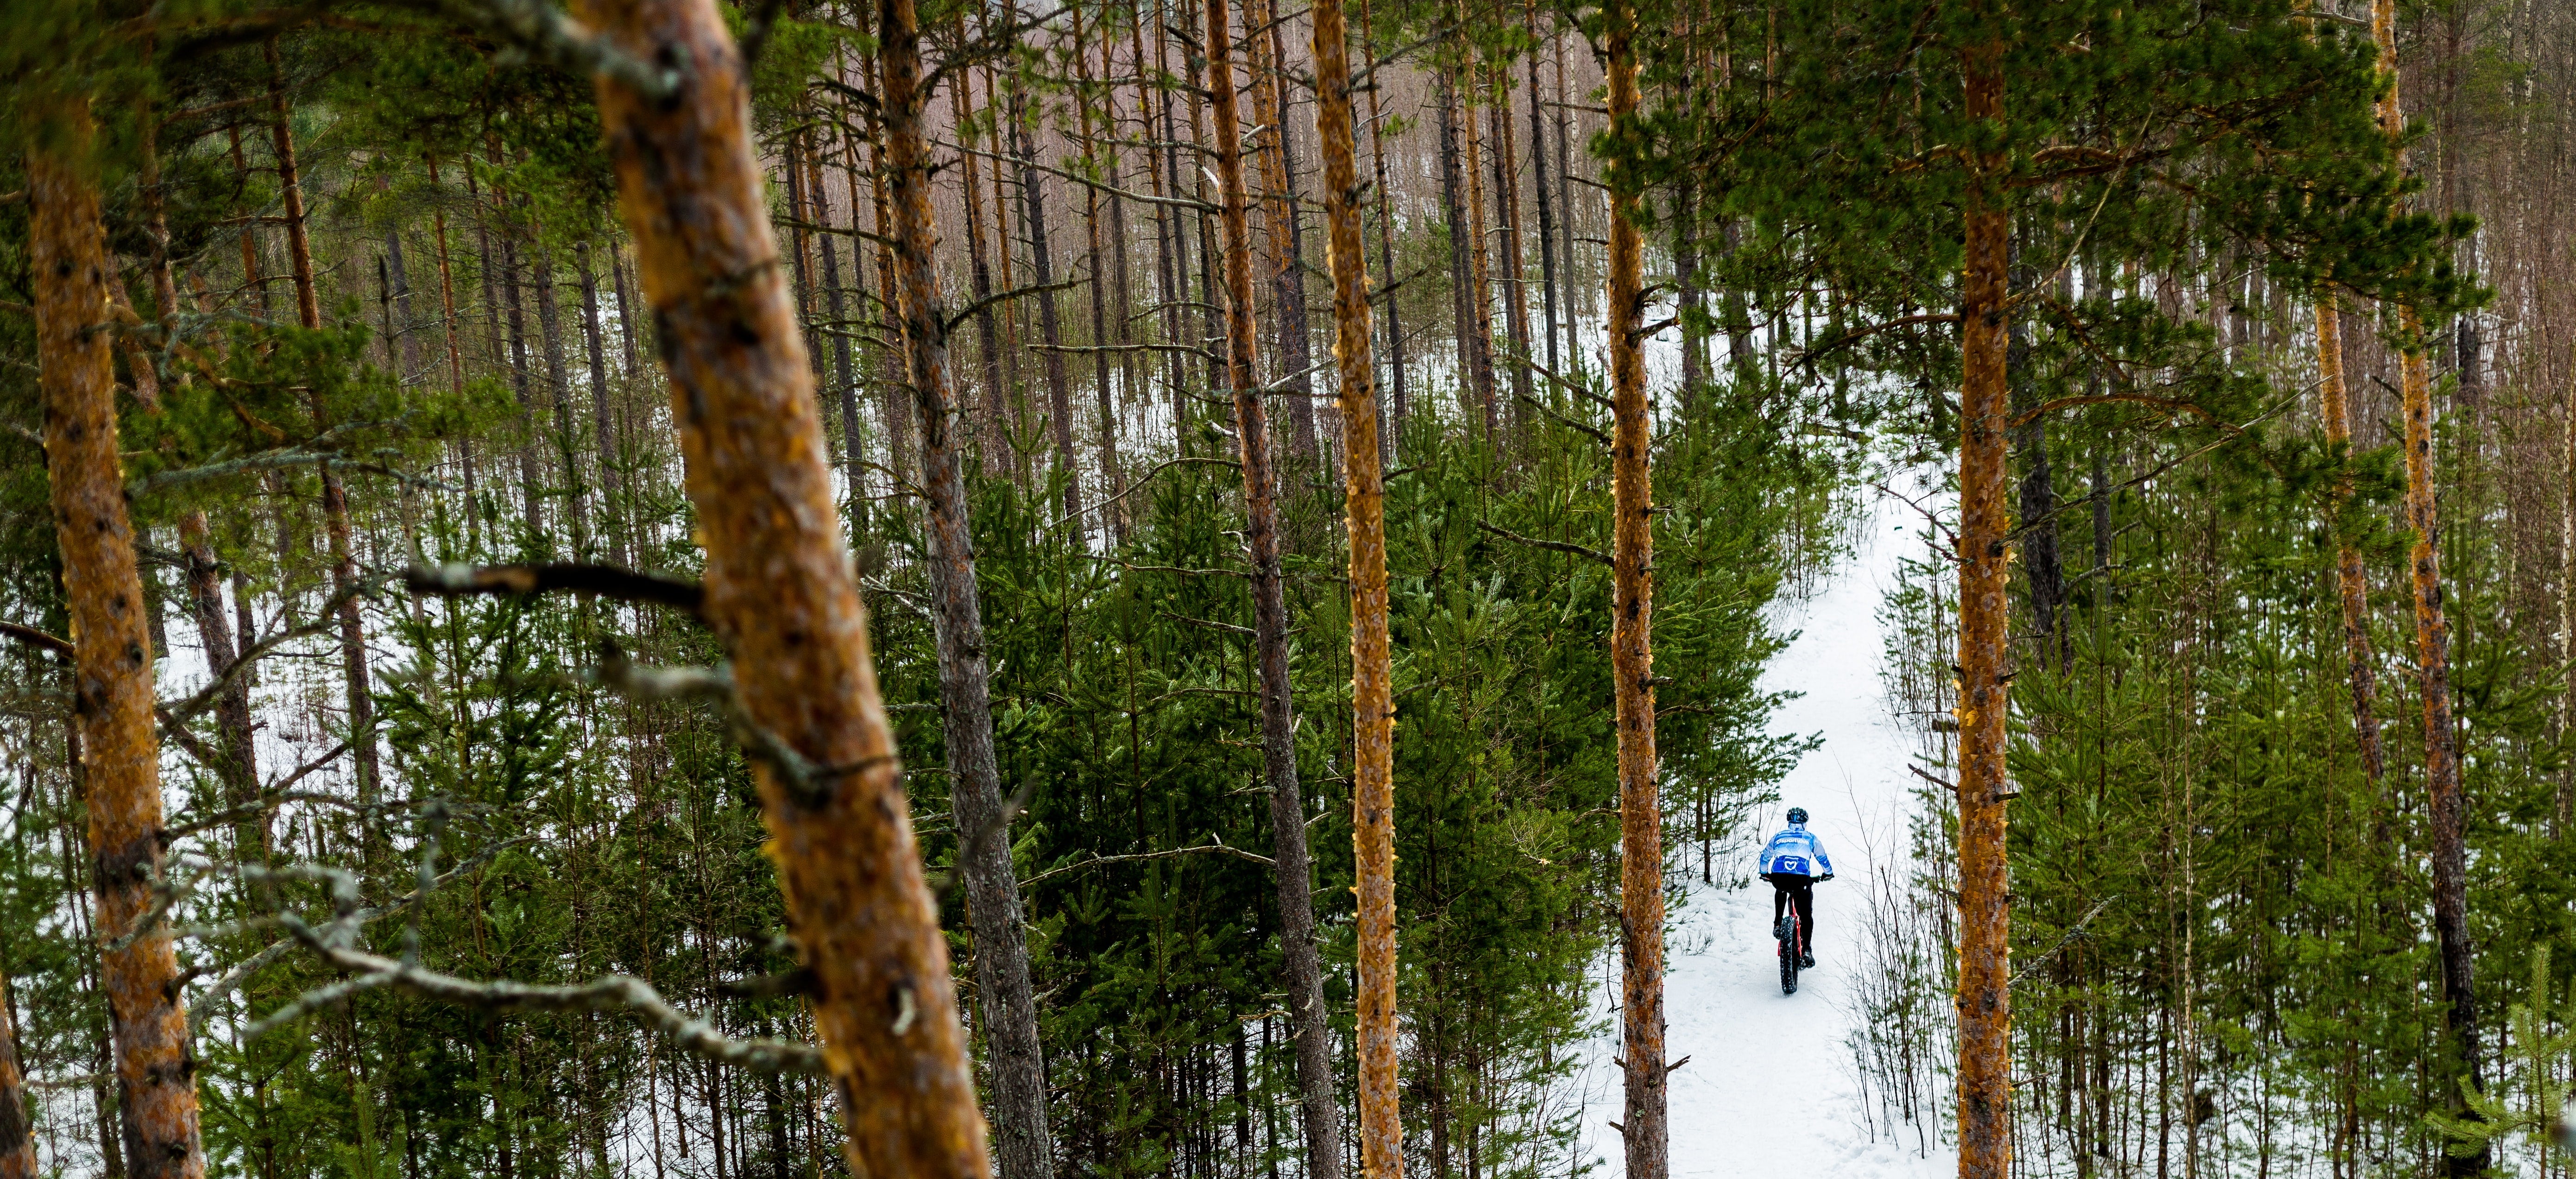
column 17, row 1131
column 1632, row 660
column 1372, row 674
column 1985, row 529
column 2442, row 786
column 1294, row 875
column 112, row 692
column 335, row 498
column 1010, row 1023
column 781, row 594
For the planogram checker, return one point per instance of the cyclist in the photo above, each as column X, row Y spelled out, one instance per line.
column 1793, row 862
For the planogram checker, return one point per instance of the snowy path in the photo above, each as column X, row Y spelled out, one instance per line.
column 1769, row 1090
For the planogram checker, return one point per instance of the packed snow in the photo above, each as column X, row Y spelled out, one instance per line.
column 1768, row 1087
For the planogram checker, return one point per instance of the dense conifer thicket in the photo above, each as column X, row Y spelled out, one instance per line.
column 1163, row 587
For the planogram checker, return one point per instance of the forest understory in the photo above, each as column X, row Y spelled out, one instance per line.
column 1211, row 589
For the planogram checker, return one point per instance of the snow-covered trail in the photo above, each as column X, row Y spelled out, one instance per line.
column 1769, row 1088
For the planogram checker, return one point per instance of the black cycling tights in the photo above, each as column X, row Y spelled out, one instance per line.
column 1802, row 890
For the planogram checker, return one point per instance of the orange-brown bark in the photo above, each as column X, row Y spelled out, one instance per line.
column 17, row 1133
column 2352, row 583
column 1632, row 653
column 335, row 499
column 1287, row 271
column 1985, row 561
column 2442, row 787
column 781, row 593
column 156, row 1075
column 1372, row 674
column 299, row 244
column 1294, row 875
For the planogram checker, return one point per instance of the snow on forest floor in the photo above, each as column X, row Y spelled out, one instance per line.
column 1770, row 1087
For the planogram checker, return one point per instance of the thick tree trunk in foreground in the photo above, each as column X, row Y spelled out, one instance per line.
column 781, row 593
column 1017, row 1057
column 1308, row 1017
column 1372, row 674
column 156, row 1074
column 1985, row 529
column 17, row 1132
column 1632, row 657
column 2352, row 582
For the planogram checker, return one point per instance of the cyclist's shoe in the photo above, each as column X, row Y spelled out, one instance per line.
column 1807, row 961
column 1780, row 929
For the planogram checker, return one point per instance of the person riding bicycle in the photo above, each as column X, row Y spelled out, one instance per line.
column 1792, row 863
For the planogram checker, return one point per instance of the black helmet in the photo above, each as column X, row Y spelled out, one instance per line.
column 1797, row 814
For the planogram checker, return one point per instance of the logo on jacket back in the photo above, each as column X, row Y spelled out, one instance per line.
column 1794, row 852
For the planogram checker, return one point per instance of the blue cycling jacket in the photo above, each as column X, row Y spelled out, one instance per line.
column 1794, row 852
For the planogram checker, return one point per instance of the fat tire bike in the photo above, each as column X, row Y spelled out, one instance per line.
column 1789, row 934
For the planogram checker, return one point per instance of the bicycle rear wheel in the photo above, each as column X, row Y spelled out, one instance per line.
column 1789, row 953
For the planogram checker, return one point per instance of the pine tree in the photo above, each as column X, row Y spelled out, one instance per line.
column 119, row 751
column 779, row 590
column 1632, row 667
column 965, row 690
column 17, row 1138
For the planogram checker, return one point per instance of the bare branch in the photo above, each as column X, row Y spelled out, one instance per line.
column 1220, row 848
column 612, row 992
column 538, row 30
column 968, row 311
column 323, row 620
column 1552, row 545
column 607, row 581
column 40, row 640
column 1140, row 482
